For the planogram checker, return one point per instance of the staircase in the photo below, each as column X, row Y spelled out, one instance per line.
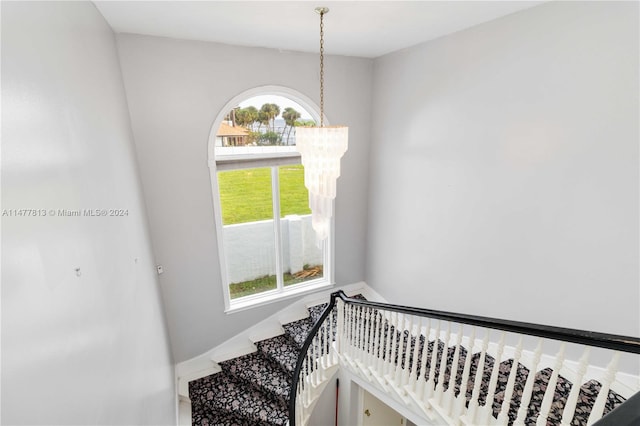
column 395, row 352
column 254, row 389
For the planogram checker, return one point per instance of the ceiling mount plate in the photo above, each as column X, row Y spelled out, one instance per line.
column 322, row 10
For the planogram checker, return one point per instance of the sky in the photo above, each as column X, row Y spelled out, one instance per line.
column 281, row 101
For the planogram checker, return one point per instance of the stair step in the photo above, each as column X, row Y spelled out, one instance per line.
column 262, row 372
column 222, row 392
column 299, row 330
column 280, row 350
column 207, row 417
column 316, row 311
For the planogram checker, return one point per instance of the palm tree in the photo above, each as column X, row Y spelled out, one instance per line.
column 271, row 111
column 252, row 115
column 246, row 117
column 263, row 118
column 290, row 116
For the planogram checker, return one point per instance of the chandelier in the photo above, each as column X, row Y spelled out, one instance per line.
column 321, row 149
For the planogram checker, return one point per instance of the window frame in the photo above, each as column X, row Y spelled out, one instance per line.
column 254, row 161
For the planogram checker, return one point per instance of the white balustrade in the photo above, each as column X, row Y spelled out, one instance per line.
column 396, row 348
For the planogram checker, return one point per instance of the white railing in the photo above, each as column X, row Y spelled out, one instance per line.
column 316, row 364
column 464, row 370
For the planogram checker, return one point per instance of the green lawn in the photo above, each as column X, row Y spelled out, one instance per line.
column 245, row 194
column 268, row 282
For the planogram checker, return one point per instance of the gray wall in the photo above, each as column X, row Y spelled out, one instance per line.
column 504, row 169
column 88, row 349
column 175, row 90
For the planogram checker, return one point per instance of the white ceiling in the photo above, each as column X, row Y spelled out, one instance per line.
column 352, row 28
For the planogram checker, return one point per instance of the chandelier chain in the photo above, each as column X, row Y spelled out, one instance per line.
column 321, row 69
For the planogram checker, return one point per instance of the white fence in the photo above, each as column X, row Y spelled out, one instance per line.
column 250, row 247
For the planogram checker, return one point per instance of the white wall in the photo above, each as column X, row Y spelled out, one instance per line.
column 504, row 169
column 175, row 89
column 91, row 349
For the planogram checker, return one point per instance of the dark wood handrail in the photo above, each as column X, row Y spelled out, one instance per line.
column 583, row 337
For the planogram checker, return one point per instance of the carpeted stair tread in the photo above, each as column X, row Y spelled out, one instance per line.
column 257, row 369
column 222, row 392
column 202, row 416
column 280, row 350
column 299, row 330
column 316, row 311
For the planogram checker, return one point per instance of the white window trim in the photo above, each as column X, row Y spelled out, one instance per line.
column 261, row 299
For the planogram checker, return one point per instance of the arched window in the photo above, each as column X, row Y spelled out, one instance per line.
column 268, row 249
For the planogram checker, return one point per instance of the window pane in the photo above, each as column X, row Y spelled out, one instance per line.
column 247, row 215
column 302, row 259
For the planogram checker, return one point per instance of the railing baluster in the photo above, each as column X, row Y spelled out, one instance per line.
column 371, row 330
column 549, row 393
column 307, row 385
column 300, row 405
column 325, row 349
column 340, row 327
column 393, row 330
column 477, row 380
column 408, row 352
column 434, row 358
column 401, row 352
column 528, row 387
column 373, row 359
column 503, row 416
column 352, row 331
column 414, row 354
column 356, row 332
column 333, row 337
column 443, row 365
column 461, row 401
column 451, row 390
column 493, row 381
column 346, row 322
column 609, row 376
column 312, row 377
column 572, row 399
column 382, row 345
column 367, row 335
column 360, row 331
column 363, row 333
column 422, row 378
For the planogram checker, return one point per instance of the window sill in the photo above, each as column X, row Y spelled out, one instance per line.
column 266, row 298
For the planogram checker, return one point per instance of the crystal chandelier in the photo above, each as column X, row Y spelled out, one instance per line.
column 321, row 149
